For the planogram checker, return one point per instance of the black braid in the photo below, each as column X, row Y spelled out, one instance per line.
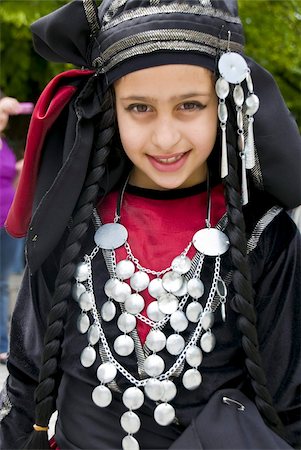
column 45, row 393
column 242, row 301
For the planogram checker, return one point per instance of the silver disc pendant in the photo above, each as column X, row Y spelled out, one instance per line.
column 139, row 281
column 169, row 391
column 154, row 365
column 183, row 289
column 194, row 356
column 121, row 291
column 164, row 414
column 81, row 271
column 86, row 301
column 134, row 303
column 155, row 288
column 110, row 236
column 88, row 356
column 102, row 396
column 130, row 443
column 181, row 264
column 126, row 322
column 211, row 242
column 195, row 288
column 110, row 285
column 233, row 67
column 130, row 422
column 124, row 345
column 207, row 320
column 175, row 344
column 172, row 281
column 77, row 290
column 208, row 342
column 154, row 313
column 222, row 88
column 192, row 379
column 108, row 311
column 154, row 389
column 133, row 398
column 93, row 334
column 194, row 311
column 155, row 340
column 178, row 321
column 106, row 372
column 125, row 269
column 83, row 323
column 168, row 303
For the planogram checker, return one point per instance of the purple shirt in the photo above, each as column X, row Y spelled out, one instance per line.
column 7, row 176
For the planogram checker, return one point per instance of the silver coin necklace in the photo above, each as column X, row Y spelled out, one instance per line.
column 177, row 291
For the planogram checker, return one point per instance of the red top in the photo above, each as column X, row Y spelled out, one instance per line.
column 161, row 228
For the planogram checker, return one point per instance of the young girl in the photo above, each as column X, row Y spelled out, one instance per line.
column 160, row 308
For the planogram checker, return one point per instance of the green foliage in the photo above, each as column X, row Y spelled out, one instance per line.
column 273, row 30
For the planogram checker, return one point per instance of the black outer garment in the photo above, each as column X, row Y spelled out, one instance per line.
column 275, row 264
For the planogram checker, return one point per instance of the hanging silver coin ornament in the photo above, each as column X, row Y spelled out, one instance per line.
column 130, row 422
column 81, row 272
column 194, row 311
column 178, row 321
column 222, row 88
column 208, row 342
column 207, row 320
column 175, row 344
column 139, row 281
column 110, row 285
column 124, row 269
column 164, row 414
column 211, row 242
column 102, row 396
column 77, row 290
column 169, row 391
column 86, row 301
column 106, row 372
column 155, row 340
column 153, row 389
column 181, row 264
column 195, row 288
column 233, row 67
column 192, row 379
column 93, row 334
column 168, row 303
column 172, row 281
column 134, row 303
column 154, row 365
column 194, row 356
column 130, row 443
column 154, row 313
column 124, row 345
column 121, row 291
column 222, row 112
column 252, row 104
column 108, row 311
column 83, row 323
column 238, row 95
column 110, row 236
column 133, row 398
column 126, row 322
column 88, row 356
column 156, row 288
column 183, row 289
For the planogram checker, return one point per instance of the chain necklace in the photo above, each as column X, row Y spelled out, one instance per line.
column 176, row 291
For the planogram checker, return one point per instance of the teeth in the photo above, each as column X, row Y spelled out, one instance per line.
column 169, row 160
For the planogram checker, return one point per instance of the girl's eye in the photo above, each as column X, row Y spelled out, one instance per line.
column 191, row 106
column 138, row 108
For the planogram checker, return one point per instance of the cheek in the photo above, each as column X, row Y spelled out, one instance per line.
column 129, row 135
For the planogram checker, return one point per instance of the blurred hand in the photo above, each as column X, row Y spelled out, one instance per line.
column 8, row 106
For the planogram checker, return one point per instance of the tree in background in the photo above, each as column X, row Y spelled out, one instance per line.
column 272, row 28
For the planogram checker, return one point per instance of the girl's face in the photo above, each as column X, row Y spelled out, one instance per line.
column 167, row 119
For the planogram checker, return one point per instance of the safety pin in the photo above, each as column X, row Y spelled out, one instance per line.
column 228, row 401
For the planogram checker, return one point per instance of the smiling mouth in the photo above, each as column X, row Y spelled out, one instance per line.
column 170, row 160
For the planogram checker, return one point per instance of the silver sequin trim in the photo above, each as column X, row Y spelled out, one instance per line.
column 173, row 8
column 158, row 40
column 91, row 15
column 261, row 226
column 5, row 403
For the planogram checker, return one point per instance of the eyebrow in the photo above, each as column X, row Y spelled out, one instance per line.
column 176, row 97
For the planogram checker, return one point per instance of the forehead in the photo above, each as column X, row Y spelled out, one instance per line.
column 165, row 80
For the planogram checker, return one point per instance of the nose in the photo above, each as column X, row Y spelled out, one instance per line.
column 166, row 134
